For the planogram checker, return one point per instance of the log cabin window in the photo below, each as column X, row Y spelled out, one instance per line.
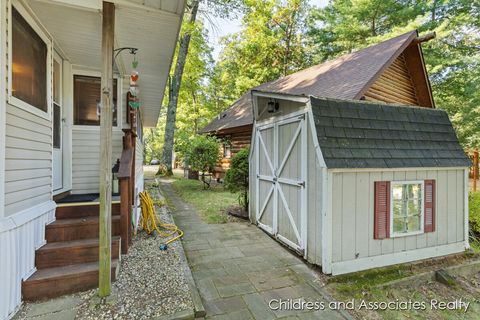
column 87, row 97
column 29, row 64
column 406, row 208
column 227, row 150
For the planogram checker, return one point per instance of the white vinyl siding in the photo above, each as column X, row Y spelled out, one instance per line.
column 352, row 213
column 86, row 158
column 28, row 160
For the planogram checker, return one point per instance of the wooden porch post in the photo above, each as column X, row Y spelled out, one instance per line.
column 108, row 27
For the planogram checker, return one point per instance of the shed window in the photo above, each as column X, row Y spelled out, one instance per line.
column 407, row 208
column 87, row 97
column 29, row 64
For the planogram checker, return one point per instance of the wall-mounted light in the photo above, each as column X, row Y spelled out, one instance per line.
column 272, row 106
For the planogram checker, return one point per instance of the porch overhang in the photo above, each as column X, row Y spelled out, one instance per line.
column 151, row 26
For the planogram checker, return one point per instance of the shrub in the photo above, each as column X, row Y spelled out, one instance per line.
column 236, row 178
column 474, row 214
column 203, row 153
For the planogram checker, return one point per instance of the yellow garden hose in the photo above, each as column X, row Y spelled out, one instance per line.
column 151, row 222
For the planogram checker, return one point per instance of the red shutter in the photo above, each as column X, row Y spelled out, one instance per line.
column 429, row 214
column 382, row 210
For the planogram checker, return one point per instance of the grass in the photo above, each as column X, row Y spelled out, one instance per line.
column 352, row 285
column 474, row 217
column 376, row 286
column 211, row 204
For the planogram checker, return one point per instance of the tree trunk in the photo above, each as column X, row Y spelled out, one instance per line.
column 175, row 90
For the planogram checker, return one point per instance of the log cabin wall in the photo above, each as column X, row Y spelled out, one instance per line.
column 239, row 139
column 394, row 85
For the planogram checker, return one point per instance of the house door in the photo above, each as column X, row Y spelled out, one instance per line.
column 281, row 181
column 57, row 123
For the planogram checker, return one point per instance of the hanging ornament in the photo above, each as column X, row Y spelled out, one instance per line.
column 135, row 62
column 134, row 91
column 133, row 77
column 134, row 102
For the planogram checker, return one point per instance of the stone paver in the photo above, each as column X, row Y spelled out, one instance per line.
column 62, row 308
column 238, row 269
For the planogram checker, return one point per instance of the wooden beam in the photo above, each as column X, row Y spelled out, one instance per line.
column 105, row 223
column 424, row 38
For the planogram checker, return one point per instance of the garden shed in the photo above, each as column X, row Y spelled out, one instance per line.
column 352, row 185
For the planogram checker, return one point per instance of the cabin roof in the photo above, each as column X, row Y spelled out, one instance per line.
column 346, row 77
column 359, row 134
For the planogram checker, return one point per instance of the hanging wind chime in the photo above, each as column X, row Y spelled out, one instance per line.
column 134, row 101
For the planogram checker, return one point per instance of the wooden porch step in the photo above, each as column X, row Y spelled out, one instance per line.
column 54, row 282
column 64, row 253
column 77, row 229
column 79, row 210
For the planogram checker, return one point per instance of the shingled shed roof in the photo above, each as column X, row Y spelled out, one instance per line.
column 239, row 114
column 354, row 134
column 346, row 77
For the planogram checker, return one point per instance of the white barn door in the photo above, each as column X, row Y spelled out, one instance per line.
column 281, row 181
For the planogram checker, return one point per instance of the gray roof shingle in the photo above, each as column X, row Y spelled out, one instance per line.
column 359, row 134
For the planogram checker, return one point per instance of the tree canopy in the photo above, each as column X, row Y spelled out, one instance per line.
column 278, row 37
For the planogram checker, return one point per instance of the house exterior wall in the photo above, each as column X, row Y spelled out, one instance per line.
column 86, row 142
column 26, row 188
column 238, row 139
column 20, row 235
column 353, row 245
column 28, row 160
column 86, row 158
column 139, row 182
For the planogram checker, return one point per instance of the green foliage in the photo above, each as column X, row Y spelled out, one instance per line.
column 195, row 105
column 452, row 59
column 236, row 178
column 211, row 204
column 474, row 214
column 269, row 46
column 203, row 153
column 279, row 37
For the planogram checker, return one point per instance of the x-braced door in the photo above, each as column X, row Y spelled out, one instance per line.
column 281, row 157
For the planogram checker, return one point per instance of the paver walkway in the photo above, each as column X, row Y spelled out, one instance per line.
column 238, row 269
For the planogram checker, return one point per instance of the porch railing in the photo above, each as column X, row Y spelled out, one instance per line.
column 126, row 177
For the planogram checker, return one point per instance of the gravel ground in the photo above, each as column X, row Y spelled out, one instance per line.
column 151, row 283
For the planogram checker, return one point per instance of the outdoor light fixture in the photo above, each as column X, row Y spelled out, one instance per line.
column 272, row 106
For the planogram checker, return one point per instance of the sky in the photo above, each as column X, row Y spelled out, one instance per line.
column 219, row 28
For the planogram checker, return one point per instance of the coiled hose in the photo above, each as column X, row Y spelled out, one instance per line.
column 151, row 222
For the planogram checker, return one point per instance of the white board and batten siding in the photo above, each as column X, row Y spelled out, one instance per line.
column 353, row 245
column 313, row 179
